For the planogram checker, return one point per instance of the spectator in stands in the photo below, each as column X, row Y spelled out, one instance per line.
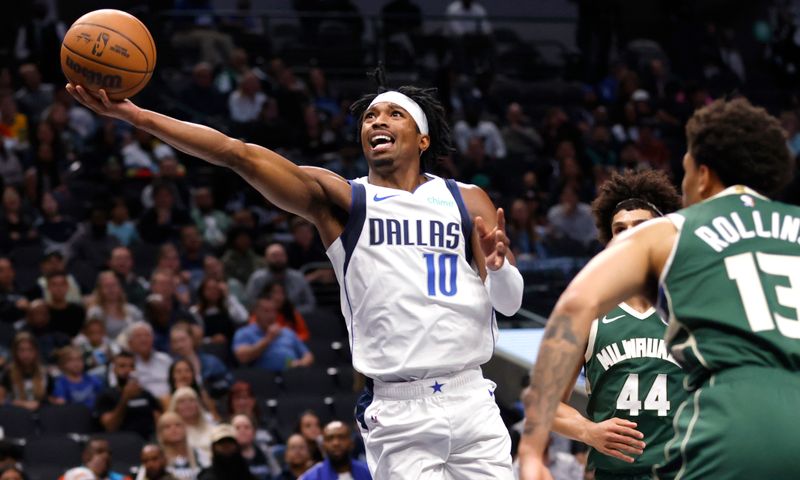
column 310, row 427
column 152, row 366
column 182, row 374
column 172, row 173
column 65, row 316
column 287, row 316
column 53, row 262
column 520, row 138
column 78, row 473
column 97, row 458
column 630, row 158
column 158, row 313
column 213, row 223
column 266, row 344
column 467, row 18
column 239, row 259
column 261, row 463
column 135, row 287
column 120, row 225
column 217, row 312
column 192, row 254
column 12, row 473
column 521, row 231
column 202, row 86
column 297, row 288
column 199, row 423
column 227, row 457
column 54, row 229
column 97, row 348
column 242, row 401
column 140, row 154
column 337, row 443
column 599, row 149
column 401, row 19
column 109, row 304
column 791, row 125
column 209, row 370
column 160, row 223
column 182, row 460
column 173, row 290
column 473, row 126
column 13, row 128
column 126, row 406
column 16, row 223
column 214, row 269
column 10, row 165
column 653, row 150
column 34, row 96
column 154, row 464
column 571, row 224
column 169, row 261
column 74, row 385
column 25, row 382
column 244, row 103
column 305, row 249
column 37, row 323
column 297, row 458
column 13, row 304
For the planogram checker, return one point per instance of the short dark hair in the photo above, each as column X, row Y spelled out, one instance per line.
column 647, row 190
column 441, row 143
column 125, row 354
column 742, row 144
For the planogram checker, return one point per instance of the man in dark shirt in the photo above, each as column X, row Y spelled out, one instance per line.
column 161, row 223
column 227, row 460
column 65, row 316
column 136, row 288
column 37, row 323
column 127, row 406
column 12, row 304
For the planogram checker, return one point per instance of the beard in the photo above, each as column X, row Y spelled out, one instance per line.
column 231, row 466
column 277, row 267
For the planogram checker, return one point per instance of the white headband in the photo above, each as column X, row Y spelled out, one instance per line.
column 408, row 105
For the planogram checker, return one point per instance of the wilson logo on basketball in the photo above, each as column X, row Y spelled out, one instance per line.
column 94, row 77
column 100, row 45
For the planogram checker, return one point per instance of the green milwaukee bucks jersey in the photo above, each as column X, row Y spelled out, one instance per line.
column 631, row 375
column 731, row 287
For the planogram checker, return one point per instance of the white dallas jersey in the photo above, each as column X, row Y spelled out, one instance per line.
column 414, row 306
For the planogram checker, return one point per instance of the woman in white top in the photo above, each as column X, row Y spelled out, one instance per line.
column 182, row 461
column 108, row 303
column 199, row 423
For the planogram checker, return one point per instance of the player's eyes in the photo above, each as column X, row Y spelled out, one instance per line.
column 369, row 115
column 397, row 113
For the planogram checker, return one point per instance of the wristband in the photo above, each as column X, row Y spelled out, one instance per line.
column 505, row 287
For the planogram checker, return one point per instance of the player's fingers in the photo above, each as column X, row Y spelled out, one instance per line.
column 613, row 437
column 501, row 219
column 617, row 454
column 104, row 98
column 500, row 248
column 500, row 236
column 480, row 226
column 628, row 432
column 624, row 423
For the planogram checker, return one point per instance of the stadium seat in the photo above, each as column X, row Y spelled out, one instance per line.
column 43, row 472
column 323, row 323
column 306, row 380
column 53, row 450
column 289, row 408
column 16, row 422
column 329, row 352
column 262, row 381
column 344, row 405
column 70, row 418
column 126, row 448
column 342, row 377
column 219, row 350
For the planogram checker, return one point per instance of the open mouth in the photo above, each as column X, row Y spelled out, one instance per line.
column 381, row 142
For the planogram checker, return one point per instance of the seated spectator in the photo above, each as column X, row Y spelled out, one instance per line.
column 160, row 223
column 337, row 443
column 192, row 254
column 215, row 270
column 120, row 225
column 78, row 473
column 92, row 245
column 109, row 304
column 53, row 262
column 37, row 323
column 98, row 349
column 199, row 423
column 287, row 315
column 73, row 385
column 65, row 316
column 152, row 366
column 213, row 223
column 305, row 249
column 571, row 221
column 97, row 458
column 209, row 370
column 242, row 401
column 522, row 233
column 473, row 126
column 267, row 345
column 25, row 382
column 10, row 166
column 169, row 261
column 214, row 103
column 125, row 405
column 182, row 460
column 217, row 312
column 310, row 427
column 277, row 269
column 600, row 150
column 227, row 460
column 239, row 259
column 13, row 303
column 10, row 455
column 520, row 137
column 182, row 374
column 154, row 464
column 653, row 150
column 244, row 103
column 135, row 287
column 262, row 464
column 12, row 472
column 16, row 223
column 55, row 229
column 297, row 458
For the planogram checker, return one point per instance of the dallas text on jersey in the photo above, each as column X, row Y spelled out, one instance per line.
column 419, row 233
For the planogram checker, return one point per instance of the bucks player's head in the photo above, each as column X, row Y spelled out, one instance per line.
column 731, row 142
column 628, row 199
column 401, row 128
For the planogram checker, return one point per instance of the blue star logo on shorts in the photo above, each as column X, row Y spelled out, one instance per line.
column 437, row 387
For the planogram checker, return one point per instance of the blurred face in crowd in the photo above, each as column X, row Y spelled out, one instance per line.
column 180, row 342
column 212, row 292
column 265, row 313
column 26, row 354
column 123, row 366
column 278, row 295
column 182, row 375
column 73, row 364
column 162, row 198
column 58, row 287
column 140, row 341
column 52, row 263
column 203, row 199
column 276, row 257
column 203, row 75
column 514, row 114
column 49, row 205
column 243, row 403
column 245, row 432
column 95, row 332
column 337, row 443
column 297, row 453
column 11, row 474
column 163, row 284
column 519, row 212
column 97, row 457
column 243, row 242
column 11, row 201
column 249, row 84
column 6, row 274
column 168, row 258
column 188, row 409
column 109, row 288
column 310, row 428
column 213, row 268
column 121, row 261
column 119, row 213
column 303, row 234
column 191, row 241
column 38, row 315
column 153, row 461
column 171, row 429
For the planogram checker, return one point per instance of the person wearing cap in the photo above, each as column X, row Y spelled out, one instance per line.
column 226, row 456
column 422, row 262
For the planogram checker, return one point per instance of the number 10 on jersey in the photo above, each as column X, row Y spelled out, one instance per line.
column 442, row 273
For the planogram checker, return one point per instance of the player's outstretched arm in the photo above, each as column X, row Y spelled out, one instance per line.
column 298, row 190
column 629, row 266
column 613, row 437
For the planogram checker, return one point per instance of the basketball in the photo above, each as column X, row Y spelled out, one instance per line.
column 110, row 50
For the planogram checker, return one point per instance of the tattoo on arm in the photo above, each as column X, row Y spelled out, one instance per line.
column 558, row 354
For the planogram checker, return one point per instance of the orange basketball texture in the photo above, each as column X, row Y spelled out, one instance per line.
column 109, row 49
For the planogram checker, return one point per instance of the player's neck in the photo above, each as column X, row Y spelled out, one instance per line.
column 639, row 303
column 400, row 180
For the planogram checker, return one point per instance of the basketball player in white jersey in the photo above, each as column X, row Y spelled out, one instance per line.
column 422, row 264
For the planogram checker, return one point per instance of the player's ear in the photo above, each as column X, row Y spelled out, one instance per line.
column 706, row 180
column 424, row 142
